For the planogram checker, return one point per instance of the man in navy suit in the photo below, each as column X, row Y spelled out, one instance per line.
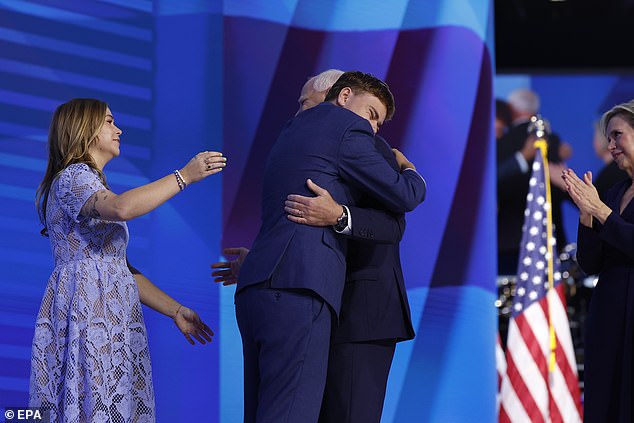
column 294, row 275
column 375, row 312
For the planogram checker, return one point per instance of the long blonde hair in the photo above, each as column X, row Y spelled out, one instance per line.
column 74, row 129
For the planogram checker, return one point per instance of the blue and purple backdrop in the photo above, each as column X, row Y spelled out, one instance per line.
column 185, row 76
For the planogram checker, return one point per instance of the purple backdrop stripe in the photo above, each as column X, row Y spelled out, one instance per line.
column 366, row 15
column 435, row 103
column 471, row 199
column 296, row 62
column 438, row 385
column 369, row 51
column 244, row 107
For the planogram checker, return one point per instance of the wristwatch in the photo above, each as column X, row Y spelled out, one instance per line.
column 342, row 221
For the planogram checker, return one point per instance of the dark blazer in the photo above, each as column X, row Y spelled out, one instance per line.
column 374, row 304
column 507, row 169
column 607, row 177
column 608, row 250
column 336, row 149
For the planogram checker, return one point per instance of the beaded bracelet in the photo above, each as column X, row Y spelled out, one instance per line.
column 180, row 181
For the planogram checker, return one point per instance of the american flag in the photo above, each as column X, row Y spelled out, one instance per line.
column 500, row 364
column 540, row 384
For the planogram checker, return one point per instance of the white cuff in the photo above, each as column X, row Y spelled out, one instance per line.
column 419, row 175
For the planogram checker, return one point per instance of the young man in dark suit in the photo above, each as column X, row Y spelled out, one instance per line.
column 375, row 312
column 294, row 275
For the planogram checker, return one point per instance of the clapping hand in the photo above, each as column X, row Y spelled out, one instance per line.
column 585, row 196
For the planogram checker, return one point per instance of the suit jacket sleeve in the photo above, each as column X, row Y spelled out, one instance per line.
column 363, row 166
column 616, row 231
column 589, row 250
column 376, row 226
column 619, row 233
column 509, row 178
column 507, row 169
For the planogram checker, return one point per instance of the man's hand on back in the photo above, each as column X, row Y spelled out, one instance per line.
column 321, row 210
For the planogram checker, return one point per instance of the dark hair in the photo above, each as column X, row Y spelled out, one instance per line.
column 503, row 112
column 364, row 82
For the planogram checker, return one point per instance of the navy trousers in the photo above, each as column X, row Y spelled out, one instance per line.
column 285, row 340
column 357, row 378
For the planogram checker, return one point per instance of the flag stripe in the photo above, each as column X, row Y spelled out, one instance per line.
column 511, row 405
column 569, row 378
column 555, row 415
column 500, row 364
column 503, row 417
column 565, row 401
column 529, row 329
column 560, row 320
column 565, row 355
column 521, row 377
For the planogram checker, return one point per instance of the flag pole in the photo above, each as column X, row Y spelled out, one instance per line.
column 542, row 146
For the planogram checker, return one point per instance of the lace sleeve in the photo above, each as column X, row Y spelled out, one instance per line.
column 75, row 186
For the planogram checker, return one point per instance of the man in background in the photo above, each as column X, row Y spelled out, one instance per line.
column 515, row 154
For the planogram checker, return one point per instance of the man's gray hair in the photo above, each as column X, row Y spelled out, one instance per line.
column 324, row 80
column 524, row 100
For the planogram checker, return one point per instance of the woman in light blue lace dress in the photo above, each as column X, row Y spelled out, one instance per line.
column 90, row 360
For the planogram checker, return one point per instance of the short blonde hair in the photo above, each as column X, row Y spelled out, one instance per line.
column 625, row 110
